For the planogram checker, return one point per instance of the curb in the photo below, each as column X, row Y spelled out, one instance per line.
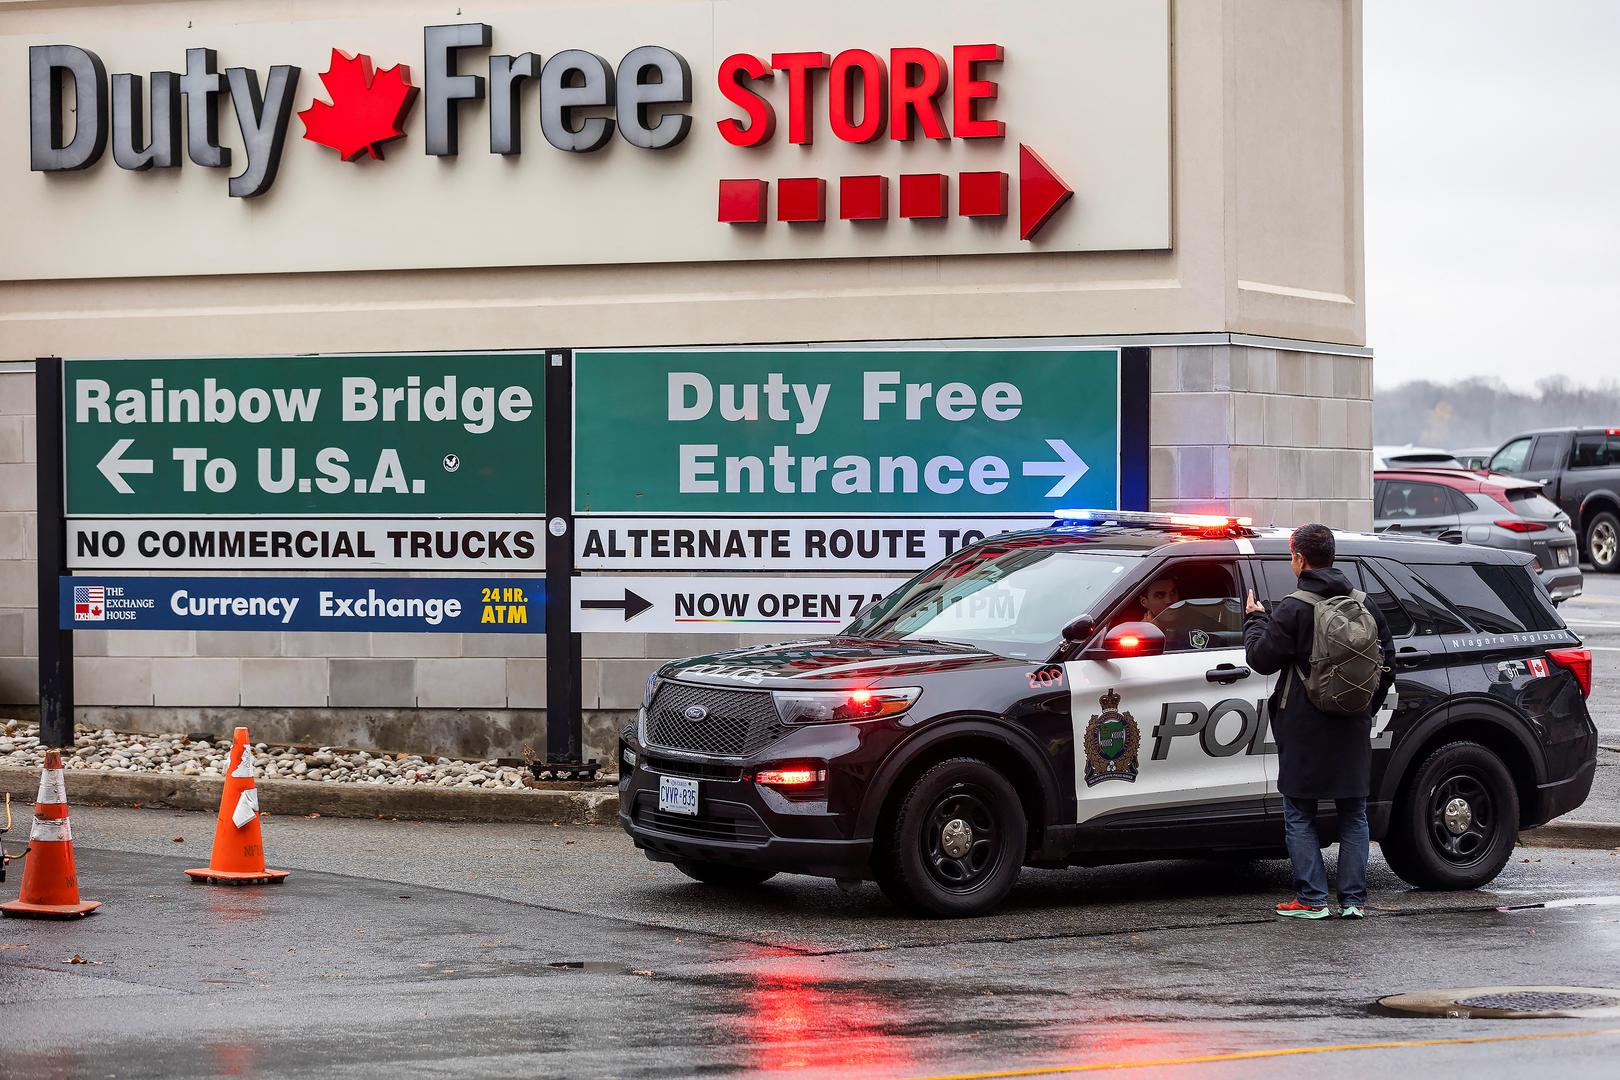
column 302, row 797
column 1594, row 835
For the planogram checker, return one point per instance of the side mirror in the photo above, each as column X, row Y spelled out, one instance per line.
column 1133, row 639
column 1080, row 630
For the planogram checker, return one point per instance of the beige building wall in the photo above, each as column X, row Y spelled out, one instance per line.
column 1261, row 379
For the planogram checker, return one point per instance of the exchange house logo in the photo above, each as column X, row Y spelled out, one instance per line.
column 1111, row 743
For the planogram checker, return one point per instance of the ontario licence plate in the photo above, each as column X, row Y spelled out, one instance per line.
column 1566, row 556
column 678, row 795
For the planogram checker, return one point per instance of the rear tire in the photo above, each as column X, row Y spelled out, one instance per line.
column 722, row 875
column 1457, row 822
column 1603, row 542
column 956, row 843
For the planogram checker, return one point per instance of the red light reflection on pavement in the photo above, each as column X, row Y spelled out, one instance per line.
column 798, row 1015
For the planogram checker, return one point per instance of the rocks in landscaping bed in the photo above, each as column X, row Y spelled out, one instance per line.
column 184, row 755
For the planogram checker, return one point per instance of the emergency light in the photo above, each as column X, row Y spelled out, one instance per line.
column 1151, row 519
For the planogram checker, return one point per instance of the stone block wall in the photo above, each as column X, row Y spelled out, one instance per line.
column 1281, row 435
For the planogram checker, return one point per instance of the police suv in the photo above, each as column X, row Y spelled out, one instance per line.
column 1077, row 695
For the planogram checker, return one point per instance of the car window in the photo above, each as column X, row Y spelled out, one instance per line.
column 1511, row 457
column 1407, row 500
column 1194, row 601
column 1279, row 579
column 1531, row 503
column 1595, row 451
column 1544, row 458
column 1460, row 503
column 1011, row 598
column 1485, row 595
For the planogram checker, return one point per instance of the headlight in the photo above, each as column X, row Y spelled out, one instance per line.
column 652, row 688
column 827, row 706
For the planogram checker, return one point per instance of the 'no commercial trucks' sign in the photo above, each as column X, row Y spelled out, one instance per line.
column 754, row 446
column 352, row 462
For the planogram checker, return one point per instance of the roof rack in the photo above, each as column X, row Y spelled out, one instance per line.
column 1203, row 524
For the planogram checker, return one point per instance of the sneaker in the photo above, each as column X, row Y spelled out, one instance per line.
column 1293, row 909
column 1352, row 911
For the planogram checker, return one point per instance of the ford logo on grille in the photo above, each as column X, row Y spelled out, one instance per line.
column 695, row 713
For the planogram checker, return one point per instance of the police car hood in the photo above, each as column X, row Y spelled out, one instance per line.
column 838, row 661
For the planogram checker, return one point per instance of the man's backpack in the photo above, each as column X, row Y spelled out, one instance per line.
column 1347, row 659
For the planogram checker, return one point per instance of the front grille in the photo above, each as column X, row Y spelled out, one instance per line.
column 738, row 723
column 695, row 770
column 730, row 822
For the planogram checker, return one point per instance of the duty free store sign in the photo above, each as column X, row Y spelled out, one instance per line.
column 572, row 133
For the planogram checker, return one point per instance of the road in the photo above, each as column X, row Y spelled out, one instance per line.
column 433, row 950
column 481, row 950
column 1595, row 616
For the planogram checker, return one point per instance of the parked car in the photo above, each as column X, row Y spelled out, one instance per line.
column 1010, row 707
column 1492, row 511
column 1474, row 457
column 1413, row 457
column 1579, row 468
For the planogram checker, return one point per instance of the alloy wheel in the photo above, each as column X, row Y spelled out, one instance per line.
column 961, row 847
column 1462, row 818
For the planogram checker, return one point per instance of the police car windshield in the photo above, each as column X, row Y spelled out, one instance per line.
column 1013, row 601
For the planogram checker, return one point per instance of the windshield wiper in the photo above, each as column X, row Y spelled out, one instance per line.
column 951, row 644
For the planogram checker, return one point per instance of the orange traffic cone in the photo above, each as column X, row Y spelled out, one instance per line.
column 50, row 886
column 238, row 857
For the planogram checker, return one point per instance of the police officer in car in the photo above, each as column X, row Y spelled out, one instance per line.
column 1160, row 594
column 1323, row 755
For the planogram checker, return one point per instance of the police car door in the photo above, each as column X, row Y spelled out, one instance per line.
column 1175, row 739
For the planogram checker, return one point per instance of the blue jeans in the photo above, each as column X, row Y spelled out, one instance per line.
column 1310, row 875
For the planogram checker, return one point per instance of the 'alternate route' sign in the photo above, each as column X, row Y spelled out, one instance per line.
column 948, row 431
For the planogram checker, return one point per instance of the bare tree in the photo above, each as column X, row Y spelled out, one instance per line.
column 1486, row 412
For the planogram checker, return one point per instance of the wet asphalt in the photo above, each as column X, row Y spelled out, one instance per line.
column 1595, row 616
column 416, row 949
column 408, row 949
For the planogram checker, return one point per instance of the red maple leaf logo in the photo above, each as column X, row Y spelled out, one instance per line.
column 367, row 109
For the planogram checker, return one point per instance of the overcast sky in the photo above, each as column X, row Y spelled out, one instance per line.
column 1493, row 188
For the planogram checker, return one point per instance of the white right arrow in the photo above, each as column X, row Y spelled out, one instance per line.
column 113, row 466
column 1068, row 468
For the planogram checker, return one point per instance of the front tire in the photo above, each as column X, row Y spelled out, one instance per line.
column 1603, row 543
column 955, row 845
column 722, row 875
column 1457, row 822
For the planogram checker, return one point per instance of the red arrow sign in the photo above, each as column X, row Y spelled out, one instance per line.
column 1040, row 192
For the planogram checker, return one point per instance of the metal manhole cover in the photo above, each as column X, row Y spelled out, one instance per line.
column 1509, row 1002
column 1539, row 1001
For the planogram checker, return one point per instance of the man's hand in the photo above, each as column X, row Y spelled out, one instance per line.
column 1253, row 606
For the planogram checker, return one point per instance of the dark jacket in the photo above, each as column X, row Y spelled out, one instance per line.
column 1322, row 756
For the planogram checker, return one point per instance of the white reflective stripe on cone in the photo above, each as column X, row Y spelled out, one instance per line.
column 246, row 807
column 45, row 829
column 52, row 787
column 245, row 767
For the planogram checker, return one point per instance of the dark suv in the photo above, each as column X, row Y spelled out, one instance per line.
column 1579, row 468
column 1016, row 705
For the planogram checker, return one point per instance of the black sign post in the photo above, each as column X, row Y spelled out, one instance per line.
column 55, row 644
column 564, row 716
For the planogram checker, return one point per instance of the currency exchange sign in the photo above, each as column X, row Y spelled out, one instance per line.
column 829, row 431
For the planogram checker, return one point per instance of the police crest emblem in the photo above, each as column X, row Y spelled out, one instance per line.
column 1112, row 741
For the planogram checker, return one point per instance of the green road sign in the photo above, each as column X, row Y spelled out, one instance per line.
column 846, row 431
column 408, row 435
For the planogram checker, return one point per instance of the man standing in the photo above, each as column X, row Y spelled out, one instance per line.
column 1326, row 753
